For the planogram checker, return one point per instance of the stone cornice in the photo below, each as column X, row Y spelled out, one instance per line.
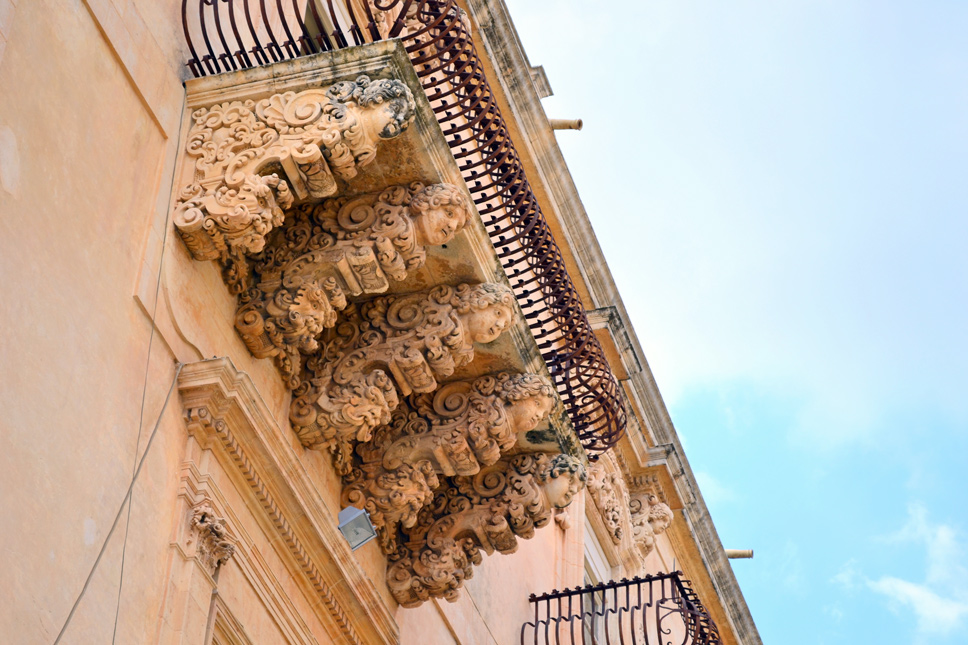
column 226, row 413
column 497, row 36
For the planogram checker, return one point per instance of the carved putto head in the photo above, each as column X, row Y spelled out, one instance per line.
column 439, row 212
column 563, row 477
column 387, row 105
column 528, row 399
column 485, row 309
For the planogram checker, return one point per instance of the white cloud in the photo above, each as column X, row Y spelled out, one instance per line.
column 940, row 602
column 936, row 615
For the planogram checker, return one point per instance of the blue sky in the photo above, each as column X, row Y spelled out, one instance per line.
column 781, row 190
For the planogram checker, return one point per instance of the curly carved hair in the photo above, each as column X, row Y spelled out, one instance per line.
column 445, row 196
column 467, row 298
column 366, row 93
column 518, row 387
column 562, row 464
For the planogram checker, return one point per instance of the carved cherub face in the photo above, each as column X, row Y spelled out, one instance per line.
column 562, row 489
column 387, row 120
column 526, row 414
column 485, row 325
column 439, row 225
column 439, row 212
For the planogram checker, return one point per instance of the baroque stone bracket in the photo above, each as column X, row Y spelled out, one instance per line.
column 483, row 513
column 456, row 431
column 633, row 518
column 390, row 347
column 339, row 248
column 251, row 159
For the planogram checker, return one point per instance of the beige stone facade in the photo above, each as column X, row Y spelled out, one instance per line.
column 237, row 304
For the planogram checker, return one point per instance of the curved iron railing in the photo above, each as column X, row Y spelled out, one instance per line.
column 238, row 34
column 659, row 609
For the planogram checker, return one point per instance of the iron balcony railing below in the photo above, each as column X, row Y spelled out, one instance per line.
column 656, row 609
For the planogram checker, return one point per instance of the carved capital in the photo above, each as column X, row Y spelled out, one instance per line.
column 390, row 347
column 334, row 249
column 252, row 159
column 213, row 544
column 483, row 513
column 461, row 428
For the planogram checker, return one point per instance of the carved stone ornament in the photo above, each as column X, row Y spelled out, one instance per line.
column 608, row 491
column 334, row 249
column 631, row 519
column 214, row 546
column 253, row 159
column 456, row 431
column 486, row 512
column 650, row 517
column 386, row 348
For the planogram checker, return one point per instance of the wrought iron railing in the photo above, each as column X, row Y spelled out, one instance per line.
column 226, row 35
column 653, row 610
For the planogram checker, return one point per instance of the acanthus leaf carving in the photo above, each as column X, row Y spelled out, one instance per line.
column 252, row 160
column 481, row 514
column 387, row 348
column 461, row 428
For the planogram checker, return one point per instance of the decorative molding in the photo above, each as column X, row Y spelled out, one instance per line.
column 252, row 159
column 224, row 410
column 390, row 347
column 339, row 248
column 486, row 512
column 456, row 431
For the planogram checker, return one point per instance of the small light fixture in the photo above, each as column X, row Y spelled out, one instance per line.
column 356, row 527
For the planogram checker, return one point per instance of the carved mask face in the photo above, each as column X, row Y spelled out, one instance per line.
column 487, row 324
column 562, row 489
column 436, row 226
column 388, row 119
column 526, row 414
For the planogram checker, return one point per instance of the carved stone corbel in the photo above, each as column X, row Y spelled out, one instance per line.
column 486, row 512
column 334, row 249
column 461, row 428
column 390, row 347
column 213, row 544
column 253, row 159
column 649, row 518
column 632, row 519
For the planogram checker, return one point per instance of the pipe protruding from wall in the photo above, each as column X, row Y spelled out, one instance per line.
column 739, row 554
column 566, row 124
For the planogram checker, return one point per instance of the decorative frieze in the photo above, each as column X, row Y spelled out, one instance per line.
column 456, row 431
column 390, row 347
column 252, row 159
column 334, row 249
column 483, row 513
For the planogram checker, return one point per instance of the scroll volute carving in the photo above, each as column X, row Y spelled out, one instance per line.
column 456, row 431
column 608, row 491
column 252, row 159
column 343, row 247
column 484, row 513
column 390, row 347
